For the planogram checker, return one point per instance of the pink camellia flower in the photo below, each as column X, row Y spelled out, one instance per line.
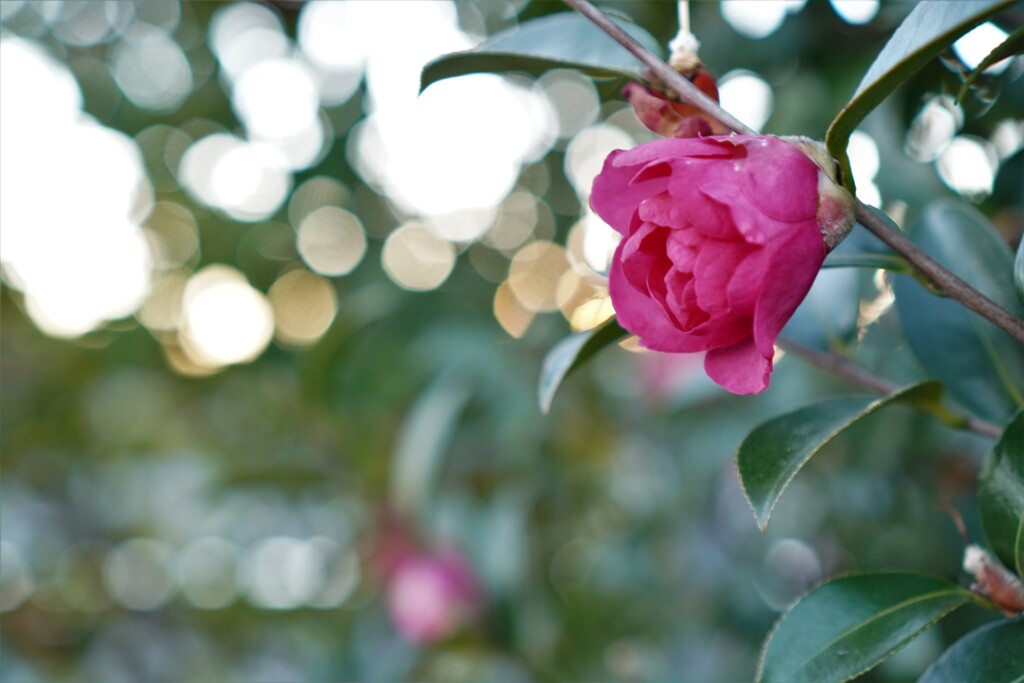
column 430, row 596
column 722, row 238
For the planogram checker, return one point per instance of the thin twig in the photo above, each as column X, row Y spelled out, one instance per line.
column 840, row 367
column 945, row 282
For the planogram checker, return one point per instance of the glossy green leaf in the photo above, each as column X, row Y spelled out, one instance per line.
column 930, row 28
column 846, row 626
column 993, row 653
column 1001, row 495
column 559, row 41
column 570, row 353
column 1013, row 45
column 771, row 455
column 981, row 366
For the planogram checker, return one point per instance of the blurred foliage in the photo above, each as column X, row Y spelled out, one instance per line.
column 611, row 536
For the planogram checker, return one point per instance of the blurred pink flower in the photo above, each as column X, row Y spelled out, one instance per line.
column 722, row 238
column 430, row 596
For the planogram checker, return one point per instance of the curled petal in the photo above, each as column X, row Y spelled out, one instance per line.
column 741, row 368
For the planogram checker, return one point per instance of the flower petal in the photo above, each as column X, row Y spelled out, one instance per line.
column 715, row 266
column 644, row 317
column 615, row 196
column 794, row 264
column 740, row 368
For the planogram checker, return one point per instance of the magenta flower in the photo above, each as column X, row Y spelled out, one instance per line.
column 722, row 238
column 430, row 596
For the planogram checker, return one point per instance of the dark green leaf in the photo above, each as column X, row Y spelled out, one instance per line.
column 844, row 627
column 558, row 41
column 771, row 455
column 1013, row 45
column 570, row 353
column 981, row 366
column 1001, row 495
column 929, row 29
column 993, row 653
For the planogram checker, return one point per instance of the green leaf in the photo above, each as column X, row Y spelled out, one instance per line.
column 569, row 354
column 929, row 29
column 993, row 653
column 1013, row 45
column 771, row 455
column 981, row 366
column 423, row 440
column 888, row 262
column 846, row 626
column 1001, row 495
column 558, row 41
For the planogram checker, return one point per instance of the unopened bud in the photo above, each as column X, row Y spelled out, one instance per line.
column 836, row 206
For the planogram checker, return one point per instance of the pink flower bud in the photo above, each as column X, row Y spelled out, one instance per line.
column 722, row 238
column 671, row 118
column 431, row 596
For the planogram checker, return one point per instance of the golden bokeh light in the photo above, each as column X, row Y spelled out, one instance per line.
column 513, row 317
column 416, row 259
column 534, row 274
column 331, row 240
column 304, row 307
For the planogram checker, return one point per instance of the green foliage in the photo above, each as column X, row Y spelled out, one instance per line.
column 1001, row 495
column 849, row 625
column 1013, row 45
column 990, row 654
column 772, row 455
column 928, row 30
column 559, row 41
column 570, row 353
column 981, row 366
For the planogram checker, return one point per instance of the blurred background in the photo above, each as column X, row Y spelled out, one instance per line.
column 273, row 323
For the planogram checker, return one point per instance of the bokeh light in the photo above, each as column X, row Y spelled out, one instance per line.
column 331, row 240
column 975, row 45
column 968, row 166
column 416, row 259
column 152, row 70
column 856, row 12
column 587, row 151
column 137, row 574
column 304, row 307
column 758, row 18
column 865, row 162
column 74, row 193
column 224, row 319
column 206, row 572
column 746, row 96
column 282, row 572
column 932, row 129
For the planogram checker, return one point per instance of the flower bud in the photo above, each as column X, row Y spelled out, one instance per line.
column 836, row 207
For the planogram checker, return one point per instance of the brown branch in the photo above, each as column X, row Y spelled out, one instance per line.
column 844, row 369
column 944, row 281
